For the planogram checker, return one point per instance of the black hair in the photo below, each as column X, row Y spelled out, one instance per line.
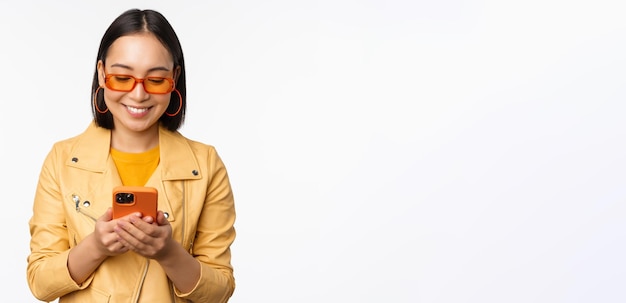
column 137, row 21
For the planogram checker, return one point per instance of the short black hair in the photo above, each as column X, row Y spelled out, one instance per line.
column 140, row 21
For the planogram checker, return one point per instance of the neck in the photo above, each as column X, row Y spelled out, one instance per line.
column 135, row 142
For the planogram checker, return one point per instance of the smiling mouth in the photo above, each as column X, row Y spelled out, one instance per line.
column 136, row 110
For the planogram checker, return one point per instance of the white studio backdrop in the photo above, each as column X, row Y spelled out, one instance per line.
column 380, row 151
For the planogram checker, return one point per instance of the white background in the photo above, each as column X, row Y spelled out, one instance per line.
column 380, row 151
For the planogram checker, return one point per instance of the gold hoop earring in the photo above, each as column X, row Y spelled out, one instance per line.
column 180, row 105
column 95, row 102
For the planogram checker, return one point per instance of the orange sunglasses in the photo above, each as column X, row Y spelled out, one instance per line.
column 151, row 85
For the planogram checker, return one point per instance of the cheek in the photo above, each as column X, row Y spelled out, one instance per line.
column 111, row 96
column 162, row 100
column 159, row 104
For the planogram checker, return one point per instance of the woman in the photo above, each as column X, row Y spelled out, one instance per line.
column 79, row 253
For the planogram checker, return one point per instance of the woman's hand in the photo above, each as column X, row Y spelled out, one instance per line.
column 154, row 240
column 144, row 236
column 82, row 261
column 106, row 239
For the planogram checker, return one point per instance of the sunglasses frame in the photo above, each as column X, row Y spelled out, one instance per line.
column 107, row 77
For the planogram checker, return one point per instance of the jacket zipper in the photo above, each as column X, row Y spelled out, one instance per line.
column 184, row 204
column 182, row 229
column 77, row 205
column 143, row 279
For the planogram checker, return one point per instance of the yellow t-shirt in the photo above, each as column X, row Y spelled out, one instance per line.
column 135, row 168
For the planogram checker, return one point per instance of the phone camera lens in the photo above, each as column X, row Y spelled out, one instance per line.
column 124, row 197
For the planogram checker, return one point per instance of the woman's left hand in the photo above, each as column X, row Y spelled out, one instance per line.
column 146, row 237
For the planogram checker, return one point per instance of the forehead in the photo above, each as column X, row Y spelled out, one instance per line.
column 141, row 51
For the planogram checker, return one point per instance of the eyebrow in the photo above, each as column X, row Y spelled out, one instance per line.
column 158, row 68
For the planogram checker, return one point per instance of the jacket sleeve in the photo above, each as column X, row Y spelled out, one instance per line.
column 47, row 272
column 214, row 236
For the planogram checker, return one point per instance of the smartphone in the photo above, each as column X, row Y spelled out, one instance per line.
column 130, row 199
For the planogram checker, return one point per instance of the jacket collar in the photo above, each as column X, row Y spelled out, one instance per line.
column 177, row 160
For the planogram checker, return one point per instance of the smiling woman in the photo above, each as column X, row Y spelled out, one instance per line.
column 131, row 57
column 180, row 255
column 380, row 151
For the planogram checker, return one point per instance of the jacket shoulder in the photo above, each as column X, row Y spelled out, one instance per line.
column 91, row 130
column 198, row 147
column 67, row 143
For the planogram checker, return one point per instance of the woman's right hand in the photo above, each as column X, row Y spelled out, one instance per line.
column 105, row 238
column 82, row 261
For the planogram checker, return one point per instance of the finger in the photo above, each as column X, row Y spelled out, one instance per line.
column 137, row 232
column 146, row 228
column 126, row 229
column 114, row 247
column 122, row 244
column 130, row 216
column 127, row 239
column 148, row 219
column 122, row 249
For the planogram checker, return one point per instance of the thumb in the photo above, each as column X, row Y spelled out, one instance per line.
column 107, row 216
column 161, row 219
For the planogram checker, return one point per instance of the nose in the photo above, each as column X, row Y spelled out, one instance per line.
column 139, row 93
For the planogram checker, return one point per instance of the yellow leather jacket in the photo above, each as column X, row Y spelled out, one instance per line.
column 75, row 188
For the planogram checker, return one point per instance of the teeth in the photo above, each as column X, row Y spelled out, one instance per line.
column 136, row 110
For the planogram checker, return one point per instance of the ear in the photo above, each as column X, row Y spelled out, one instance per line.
column 100, row 69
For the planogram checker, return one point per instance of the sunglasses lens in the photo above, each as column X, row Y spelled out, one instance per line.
column 120, row 83
column 158, row 85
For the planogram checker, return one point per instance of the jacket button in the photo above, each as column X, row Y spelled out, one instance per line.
column 166, row 215
column 74, row 159
column 194, row 172
column 86, row 204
